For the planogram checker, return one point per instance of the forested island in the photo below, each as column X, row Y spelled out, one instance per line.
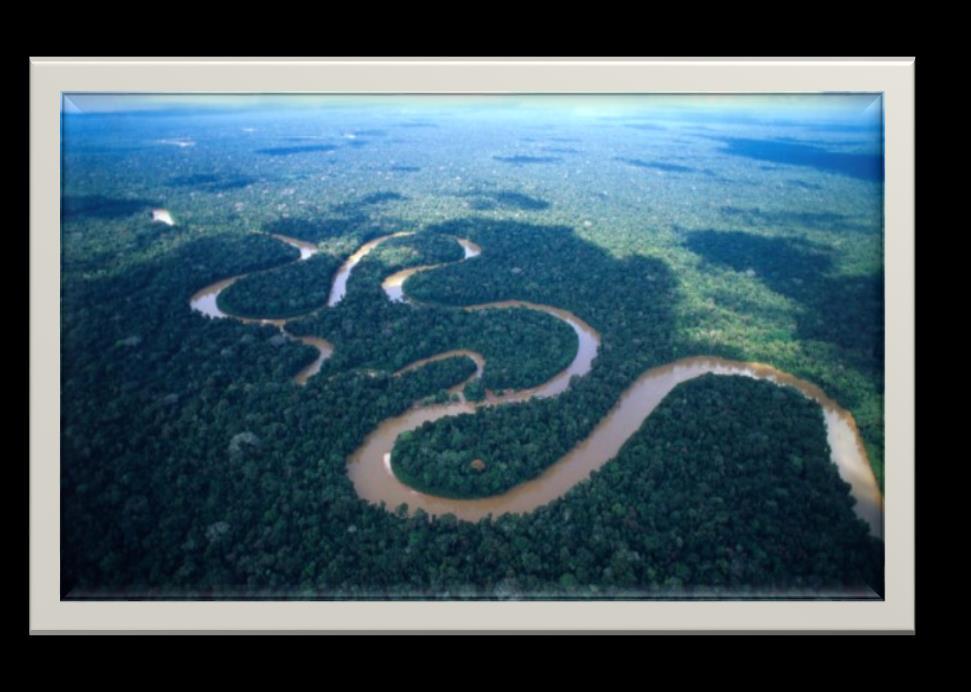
column 195, row 466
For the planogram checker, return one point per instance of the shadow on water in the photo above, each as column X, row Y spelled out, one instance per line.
column 861, row 166
column 360, row 205
column 370, row 133
column 822, row 221
column 527, row 160
column 657, row 165
column 802, row 184
column 506, row 199
column 290, row 151
column 844, row 310
column 645, row 126
column 212, row 183
column 101, row 207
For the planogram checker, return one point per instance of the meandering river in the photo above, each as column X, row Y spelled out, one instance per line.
column 205, row 301
column 369, row 467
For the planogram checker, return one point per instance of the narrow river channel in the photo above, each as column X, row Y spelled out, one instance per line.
column 370, row 468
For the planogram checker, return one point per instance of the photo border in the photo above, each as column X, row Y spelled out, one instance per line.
column 49, row 77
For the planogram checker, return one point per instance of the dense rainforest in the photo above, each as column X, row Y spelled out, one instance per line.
column 522, row 348
column 609, row 295
column 192, row 466
column 283, row 292
column 294, row 442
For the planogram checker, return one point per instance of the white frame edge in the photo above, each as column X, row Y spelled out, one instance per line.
column 49, row 77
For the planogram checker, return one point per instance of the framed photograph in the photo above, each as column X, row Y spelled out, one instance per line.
column 471, row 345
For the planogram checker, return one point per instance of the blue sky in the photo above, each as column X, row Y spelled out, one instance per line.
column 821, row 107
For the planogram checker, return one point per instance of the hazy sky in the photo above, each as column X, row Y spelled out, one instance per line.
column 838, row 107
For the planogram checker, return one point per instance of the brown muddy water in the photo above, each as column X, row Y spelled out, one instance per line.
column 369, row 467
column 394, row 285
column 205, row 302
column 339, row 287
column 477, row 358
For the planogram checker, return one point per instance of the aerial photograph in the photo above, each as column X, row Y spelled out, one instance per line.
column 459, row 347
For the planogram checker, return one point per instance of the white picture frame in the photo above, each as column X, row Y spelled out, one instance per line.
column 50, row 77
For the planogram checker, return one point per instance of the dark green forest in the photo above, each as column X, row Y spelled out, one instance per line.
column 213, row 475
column 193, row 467
column 608, row 294
column 523, row 348
column 283, row 292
